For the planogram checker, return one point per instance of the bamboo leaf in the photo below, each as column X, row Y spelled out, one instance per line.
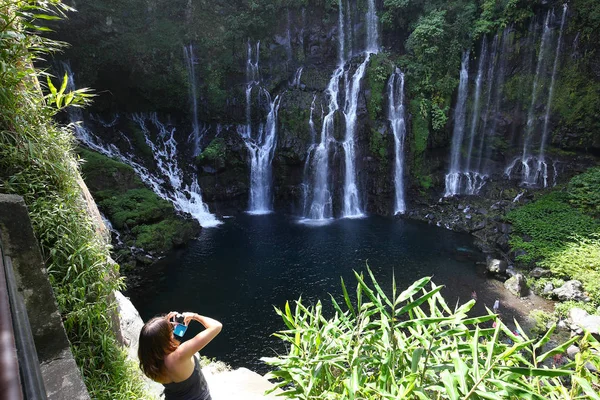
column 419, row 301
column 557, row 350
column 587, row 388
column 535, row 371
column 412, row 290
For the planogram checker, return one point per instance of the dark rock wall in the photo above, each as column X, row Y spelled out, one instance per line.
column 138, row 70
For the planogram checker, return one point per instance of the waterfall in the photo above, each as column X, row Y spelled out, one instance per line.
column 372, row 29
column 313, row 137
column 530, row 178
column 260, row 140
column 534, row 168
column 396, row 116
column 352, row 207
column 168, row 179
column 453, row 176
column 341, row 34
column 190, row 61
column 321, row 201
column 492, row 105
column 318, row 208
column 476, row 110
column 261, row 151
column 297, row 78
column 551, row 89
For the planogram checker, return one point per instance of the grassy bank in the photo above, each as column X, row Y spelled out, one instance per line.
column 37, row 162
column 560, row 231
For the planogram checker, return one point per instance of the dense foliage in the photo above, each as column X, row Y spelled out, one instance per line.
column 547, row 226
column 412, row 345
column 584, row 192
column 560, row 231
column 38, row 163
column 145, row 220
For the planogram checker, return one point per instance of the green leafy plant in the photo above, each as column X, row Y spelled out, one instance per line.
column 38, row 163
column 584, row 191
column 547, row 226
column 413, row 345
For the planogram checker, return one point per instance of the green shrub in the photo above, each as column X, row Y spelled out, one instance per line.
column 562, row 309
column 547, row 226
column 584, row 192
column 413, row 345
column 163, row 235
column 541, row 321
column 578, row 260
column 378, row 73
column 37, row 162
column 134, row 207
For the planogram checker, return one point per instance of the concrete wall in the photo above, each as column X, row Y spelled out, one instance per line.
column 62, row 378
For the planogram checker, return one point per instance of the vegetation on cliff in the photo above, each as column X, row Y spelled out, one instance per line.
column 560, row 231
column 144, row 219
column 37, row 162
column 412, row 345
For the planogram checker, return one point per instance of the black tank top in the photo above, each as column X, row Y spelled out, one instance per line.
column 193, row 388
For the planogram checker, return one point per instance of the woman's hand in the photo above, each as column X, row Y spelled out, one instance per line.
column 189, row 317
column 170, row 316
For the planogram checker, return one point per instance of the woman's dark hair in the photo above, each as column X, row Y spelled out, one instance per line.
column 156, row 341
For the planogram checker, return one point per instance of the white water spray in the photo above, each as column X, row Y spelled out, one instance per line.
column 396, row 116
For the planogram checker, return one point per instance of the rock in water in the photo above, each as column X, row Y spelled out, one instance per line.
column 496, row 266
column 516, row 285
column 571, row 290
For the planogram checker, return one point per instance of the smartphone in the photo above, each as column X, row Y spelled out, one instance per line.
column 179, row 330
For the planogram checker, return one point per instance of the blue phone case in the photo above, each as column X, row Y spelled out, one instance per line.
column 179, row 330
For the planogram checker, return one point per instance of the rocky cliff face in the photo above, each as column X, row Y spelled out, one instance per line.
column 298, row 54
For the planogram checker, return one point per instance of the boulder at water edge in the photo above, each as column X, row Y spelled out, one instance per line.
column 516, row 285
column 571, row 290
column 583, row 320
column 496, row 266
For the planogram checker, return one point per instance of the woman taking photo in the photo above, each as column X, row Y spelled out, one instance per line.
column 164, row 360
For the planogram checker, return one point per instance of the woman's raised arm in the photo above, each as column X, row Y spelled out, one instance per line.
column 197, row 343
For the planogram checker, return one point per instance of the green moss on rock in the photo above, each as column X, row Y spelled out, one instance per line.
column 214, row 155
column 143, row 218
column 378, row 72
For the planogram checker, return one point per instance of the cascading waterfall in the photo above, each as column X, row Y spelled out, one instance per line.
column 528, row 177
column 170, row 185
column 352, row 206
column 396, row 116
column 551, row 93
column 318, row 205
column 372, row 29
column 261, row 142
column 261, row 151
column 320, row 200
column 534, row 168
column 197, row 132
column 453, row 176
column 297, row 78
column 492, row 104
column 476, row 110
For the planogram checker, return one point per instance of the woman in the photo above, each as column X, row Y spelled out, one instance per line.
column 164, row 360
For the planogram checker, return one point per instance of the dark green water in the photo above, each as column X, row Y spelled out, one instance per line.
column 237, row 272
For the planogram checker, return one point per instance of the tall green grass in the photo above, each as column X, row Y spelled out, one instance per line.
column 37, row 162
column 412, row 345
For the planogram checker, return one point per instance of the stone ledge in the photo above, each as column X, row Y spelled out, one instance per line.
column 62, row 379
column 61, row 376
